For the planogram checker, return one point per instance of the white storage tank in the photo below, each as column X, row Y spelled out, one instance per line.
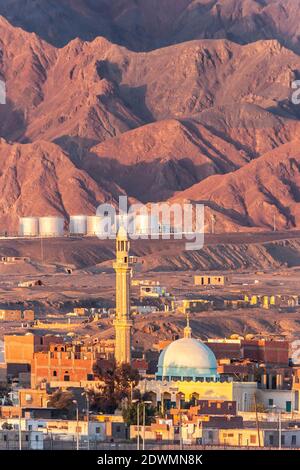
column 78, row 224
column 94, row 225
column 51, row 226
column 29, row 226
column 146, row 224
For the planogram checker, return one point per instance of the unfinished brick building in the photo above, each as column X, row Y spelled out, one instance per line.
column 63, row 363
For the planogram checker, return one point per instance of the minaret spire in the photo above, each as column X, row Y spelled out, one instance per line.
column 122, row 323
column 187, row 330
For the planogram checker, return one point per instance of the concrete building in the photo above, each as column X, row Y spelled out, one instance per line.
column 19, row 352
column 63, row 363
column 153, row 291
column 205, row 280
column 243, row 437
column 16, row 315
column 33, row 398
column 159, row 431
column 30, row 440
column 94, row 429
column 283, row 400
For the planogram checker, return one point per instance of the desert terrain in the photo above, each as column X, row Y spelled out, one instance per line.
column 266, row 263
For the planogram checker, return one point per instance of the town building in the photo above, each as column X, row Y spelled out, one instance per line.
column 16, row 315
column 209, row 280
column 27, row 440
column 63, row 363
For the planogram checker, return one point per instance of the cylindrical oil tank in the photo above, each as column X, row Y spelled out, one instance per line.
column 94, row 225
column 145, row 224
column 78, row 224
column 51, row 226
column 29, row 226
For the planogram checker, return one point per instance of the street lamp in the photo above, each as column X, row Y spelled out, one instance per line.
column 20, row 431
column 143, row 403
column 77, row 424
column 274, row 407
column 137, row 422
column 86, row 395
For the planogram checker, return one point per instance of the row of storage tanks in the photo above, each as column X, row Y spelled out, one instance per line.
column 81, row 225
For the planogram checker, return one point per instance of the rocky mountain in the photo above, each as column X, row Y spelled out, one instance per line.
column 186, row 105
column 40, row 179
column 264, row 192
column 143, row 25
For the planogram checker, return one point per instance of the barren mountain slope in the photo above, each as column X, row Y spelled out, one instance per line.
column 88, row 92
column 40, row 179
column 263, row 192
column 155, row 123
column 144, row 25
column 154, row 161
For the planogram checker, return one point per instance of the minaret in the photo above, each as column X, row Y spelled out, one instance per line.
column 187, row 330
column 122, row 323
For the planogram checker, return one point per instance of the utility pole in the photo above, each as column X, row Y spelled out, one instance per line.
column 180, row 431
column 86, row 395
column 77, row 424
column 20, row 432
column 279, row 429
column 137, row 422
column 145, row 403
column 257, row 421
column 42, row 250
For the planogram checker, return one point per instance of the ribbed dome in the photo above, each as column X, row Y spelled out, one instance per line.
column 186, row 358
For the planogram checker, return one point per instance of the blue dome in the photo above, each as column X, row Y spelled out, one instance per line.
column 186, row 359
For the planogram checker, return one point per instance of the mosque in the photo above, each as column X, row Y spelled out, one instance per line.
column 187, row 368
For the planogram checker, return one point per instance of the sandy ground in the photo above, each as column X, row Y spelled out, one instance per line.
column 93, row 285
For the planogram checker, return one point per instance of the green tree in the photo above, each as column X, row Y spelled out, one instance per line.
column 117, row 385
column 7, row 427
column 130, row 414
column 62, row 401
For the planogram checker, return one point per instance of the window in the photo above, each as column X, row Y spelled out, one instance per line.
column 282, row 440
column 294, row 440
column 98, row 430
column 271, row 402
column 54, row 373
column 271, row 440
column 253, row 439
